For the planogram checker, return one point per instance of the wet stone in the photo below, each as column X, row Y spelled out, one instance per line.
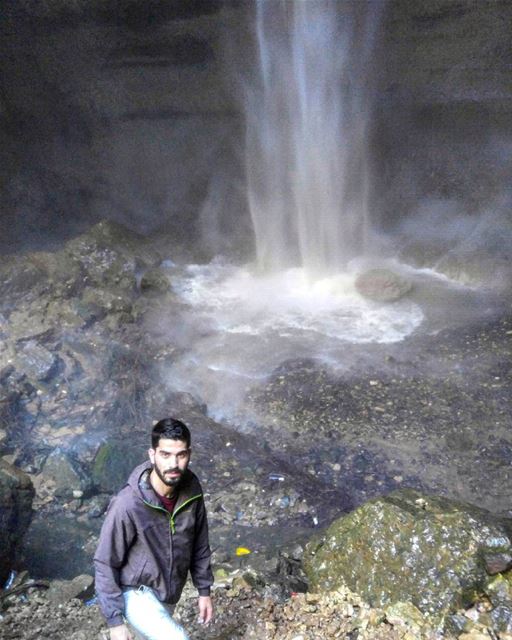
column 97, row 506
column 382, row 285
column 155, row 281
column 66, row 475
column 499, row 589
column 456, row 623
column 501, row 617
column 16, row 494
column 497, row 562
column 35, row 361
column 405, row 613
column 81, row 587
column 409, row 547
column 113, row 463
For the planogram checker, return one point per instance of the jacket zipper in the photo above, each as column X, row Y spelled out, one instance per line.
column 172, row 515
column 176, row 511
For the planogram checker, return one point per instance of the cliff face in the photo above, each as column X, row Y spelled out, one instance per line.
column 131, row 112
column 447, row 94
column 117, row 112
column 442, row 145
column 450, row 51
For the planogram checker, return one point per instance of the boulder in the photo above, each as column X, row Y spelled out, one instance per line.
column 155, row 281
column 114, row 462
column 406, row 547
column 67, row 476
column 382, row 285
column 109, row 256
column 16, row 494
column 81, row 587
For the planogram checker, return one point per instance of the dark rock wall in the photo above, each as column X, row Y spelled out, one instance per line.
column 131, row 113
column 445, row 108
column 118, row 113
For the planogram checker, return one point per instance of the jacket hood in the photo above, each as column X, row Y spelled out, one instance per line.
column 140, row 485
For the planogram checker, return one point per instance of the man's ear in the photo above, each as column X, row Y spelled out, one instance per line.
column 151, row 454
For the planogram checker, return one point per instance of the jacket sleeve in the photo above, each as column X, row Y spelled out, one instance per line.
column 200, row 567
column 116, row 537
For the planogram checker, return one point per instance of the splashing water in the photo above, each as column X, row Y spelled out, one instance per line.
column 307, row 121
column 290, row 303
column 245, row 325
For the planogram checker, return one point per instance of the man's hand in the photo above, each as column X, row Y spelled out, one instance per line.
column 121, row 632
column 205, row 605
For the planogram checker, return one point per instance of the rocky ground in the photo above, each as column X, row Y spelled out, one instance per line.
column 432, row 412
column 243, row 612
column 81, row 361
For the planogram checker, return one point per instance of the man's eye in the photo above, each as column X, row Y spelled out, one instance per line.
column 182, row 455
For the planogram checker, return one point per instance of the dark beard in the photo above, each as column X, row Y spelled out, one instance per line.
column 169, row 482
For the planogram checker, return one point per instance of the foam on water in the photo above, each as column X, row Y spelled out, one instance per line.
column 237, row 301
column 249, row 324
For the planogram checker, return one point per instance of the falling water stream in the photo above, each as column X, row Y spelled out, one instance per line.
column 308, row 108
column 307, row 114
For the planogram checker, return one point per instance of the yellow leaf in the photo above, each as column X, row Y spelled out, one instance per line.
column 242, row 551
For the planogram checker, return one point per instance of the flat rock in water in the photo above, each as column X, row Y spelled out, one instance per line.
column 382, row 285
column 407, row 547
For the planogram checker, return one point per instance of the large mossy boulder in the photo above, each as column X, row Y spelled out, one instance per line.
column 405, row 547
column 16, row 495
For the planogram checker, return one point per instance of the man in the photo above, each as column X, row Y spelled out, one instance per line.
column 155, row 531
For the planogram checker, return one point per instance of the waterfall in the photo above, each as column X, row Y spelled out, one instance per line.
column 307, row 116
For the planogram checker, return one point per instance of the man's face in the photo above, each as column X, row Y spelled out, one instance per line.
column 170, row 460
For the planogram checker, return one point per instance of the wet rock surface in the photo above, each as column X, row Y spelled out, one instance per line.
column 430, row 413
column 382, row 285
column 407, row 547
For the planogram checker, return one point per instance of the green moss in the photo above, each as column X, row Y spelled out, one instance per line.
column 112, row 465
column 407, row 547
